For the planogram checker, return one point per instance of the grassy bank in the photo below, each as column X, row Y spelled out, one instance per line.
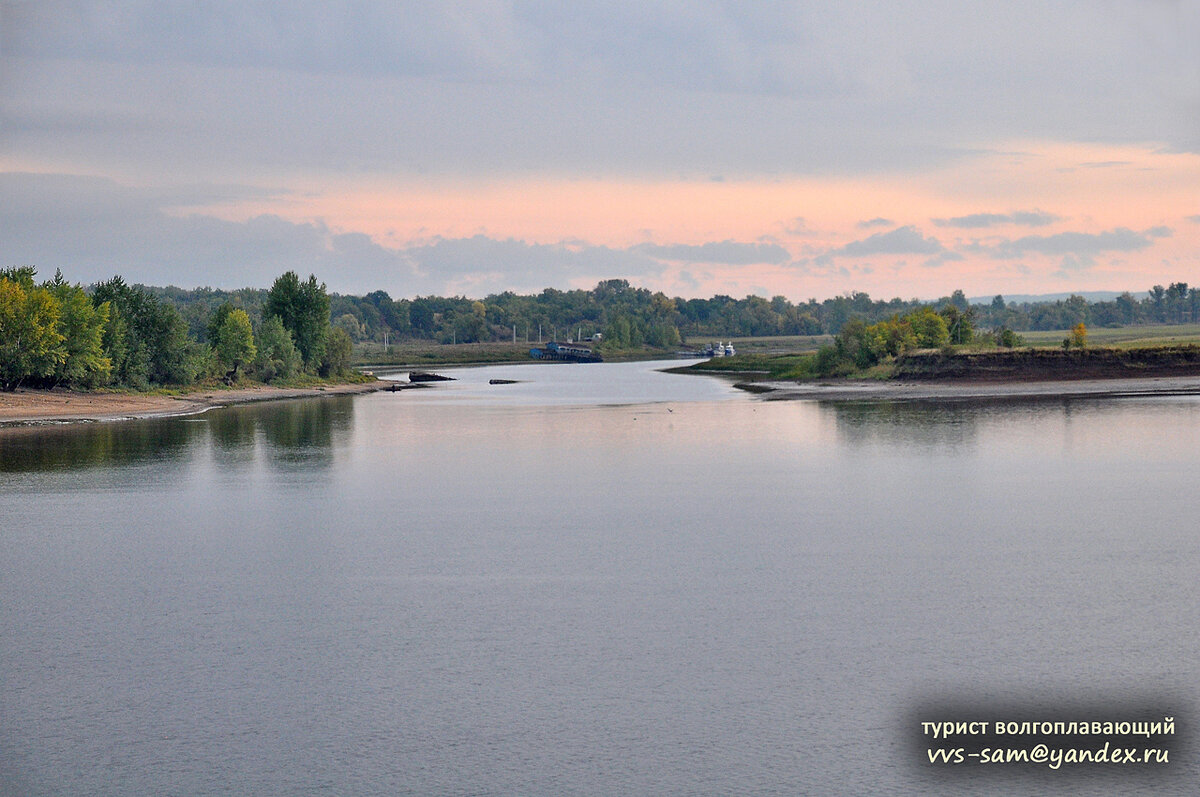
column 1044, row 363
column 1127, row 351
column 1122, row 337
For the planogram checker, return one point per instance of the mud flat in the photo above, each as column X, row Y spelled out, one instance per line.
column 31, row 407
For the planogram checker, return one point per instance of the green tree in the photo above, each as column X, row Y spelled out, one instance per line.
column 338, row 353
column 960, row 323
column 82, row 325
column 277, row 356
column 155, row 348
column 213, row 328
column 303, row 307
column 353, row 327
column 235, row 341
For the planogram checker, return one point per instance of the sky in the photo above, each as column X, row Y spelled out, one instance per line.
column 698, row 148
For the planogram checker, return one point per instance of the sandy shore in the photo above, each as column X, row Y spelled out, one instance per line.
column 24, row 407
column 847, row 390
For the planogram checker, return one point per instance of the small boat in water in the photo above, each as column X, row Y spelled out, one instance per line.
column 566, row 352
column 718, row 350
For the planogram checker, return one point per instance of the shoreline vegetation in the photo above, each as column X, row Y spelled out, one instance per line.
column 924, row 375
column 113, row 350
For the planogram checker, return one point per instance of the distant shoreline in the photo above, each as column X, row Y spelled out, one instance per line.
column 898, row 390
column 24, row 408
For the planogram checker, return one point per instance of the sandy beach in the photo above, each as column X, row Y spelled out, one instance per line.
column 894, row 390
column 27, row 407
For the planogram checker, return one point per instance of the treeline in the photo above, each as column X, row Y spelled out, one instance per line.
column 135, row 336
column 627, row 316
column 1175, row 304
column 118, row 335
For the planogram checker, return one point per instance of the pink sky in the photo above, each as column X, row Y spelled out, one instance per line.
column 1089, row 189
column 697, row 148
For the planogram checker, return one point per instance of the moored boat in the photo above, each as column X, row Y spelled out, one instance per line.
column 565, row 352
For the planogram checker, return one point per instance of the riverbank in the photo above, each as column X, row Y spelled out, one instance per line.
column 896, row 390
column 32, row 407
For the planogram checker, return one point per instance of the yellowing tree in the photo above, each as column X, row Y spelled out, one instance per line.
column 235, row 341
column 30, row 343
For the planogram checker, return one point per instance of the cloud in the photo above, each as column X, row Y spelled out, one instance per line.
column 1077, row 244
column 519, row 265
column 1194, row 219
column 797, row 226
column 876, row 222
column 942, row 258
column 1025, row 218
column 906, row 240
column 500, row 88
column 93, row 228
column 718, row 252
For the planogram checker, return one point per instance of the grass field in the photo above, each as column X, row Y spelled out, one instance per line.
column 1121, row 337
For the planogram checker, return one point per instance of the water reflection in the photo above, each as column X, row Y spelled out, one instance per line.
column 86, row 446
column 906, row 423
column 288, row 433
column 1093, row 425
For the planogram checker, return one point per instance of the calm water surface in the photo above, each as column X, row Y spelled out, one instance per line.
column 601, row 580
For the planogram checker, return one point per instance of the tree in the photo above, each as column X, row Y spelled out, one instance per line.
column 277, row 356
column 960, row 323
column 213, row 328
column 82, row 326
column 352, row 325
column 929, row 328
column 30, row 343
column 234, row 342
column 303, row 307
column 154, row 347
column 338, row 354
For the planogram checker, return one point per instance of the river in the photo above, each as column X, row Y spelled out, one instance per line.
column 602, row 579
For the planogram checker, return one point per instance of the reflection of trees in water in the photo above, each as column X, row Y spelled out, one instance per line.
column 918, row 423
column 232, row 429
column 305, row 432
column 301, row 432
column 95, row 444
column 955, row 423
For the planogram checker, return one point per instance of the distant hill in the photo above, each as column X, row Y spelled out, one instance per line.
column 1033, row 298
